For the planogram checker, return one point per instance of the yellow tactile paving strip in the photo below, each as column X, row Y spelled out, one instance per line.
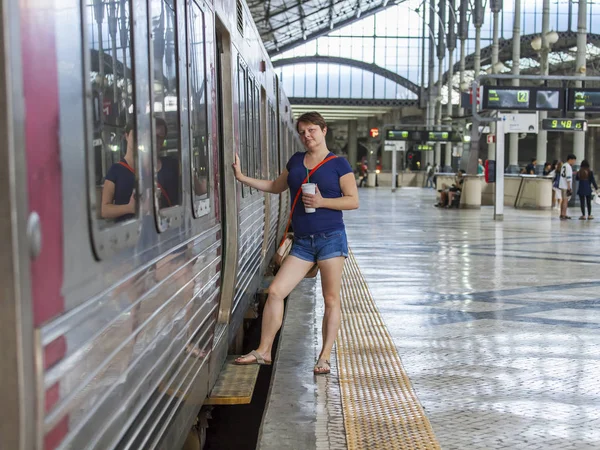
column 381, row 409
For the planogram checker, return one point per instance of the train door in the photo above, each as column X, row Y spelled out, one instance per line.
column 17, row 386
column 224, row 89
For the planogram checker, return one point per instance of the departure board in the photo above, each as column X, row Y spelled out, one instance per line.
column 438, row 136
column 398, row 135
column 523, row 98
column 584, row 100
column 424, row 148
column 549, row 99
column 423, row 135
column 505, row 98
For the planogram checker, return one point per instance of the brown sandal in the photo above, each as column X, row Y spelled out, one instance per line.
column 258, row 359
column 323, row 367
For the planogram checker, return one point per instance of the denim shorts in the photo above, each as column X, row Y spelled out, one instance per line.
column 320, row 246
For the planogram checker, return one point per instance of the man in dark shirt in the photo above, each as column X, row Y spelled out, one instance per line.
column 118, row 198
column 530, row 169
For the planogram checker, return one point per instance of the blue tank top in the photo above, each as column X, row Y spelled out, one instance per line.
column 327, row 178
column 124, row 179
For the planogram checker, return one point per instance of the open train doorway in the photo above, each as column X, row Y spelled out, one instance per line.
column 224, row 107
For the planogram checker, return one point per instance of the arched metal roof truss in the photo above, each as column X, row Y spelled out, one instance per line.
column 369, row 67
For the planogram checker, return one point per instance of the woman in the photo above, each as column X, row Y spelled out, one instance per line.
column 555, row 189
column 448, row 193
column 586, row 181
column 118, row 198
column 318, row 237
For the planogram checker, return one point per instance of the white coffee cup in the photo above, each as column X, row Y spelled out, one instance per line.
column 309, row 188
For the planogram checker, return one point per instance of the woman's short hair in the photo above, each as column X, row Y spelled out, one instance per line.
column 312, row 117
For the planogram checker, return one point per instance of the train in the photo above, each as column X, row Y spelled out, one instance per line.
column 107, row 312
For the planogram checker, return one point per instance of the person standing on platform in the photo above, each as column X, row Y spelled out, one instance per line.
column 530, row 169
column 319, row 236
column 480, row 168
column 566, row 185
column 586, row 179
column 429, row 173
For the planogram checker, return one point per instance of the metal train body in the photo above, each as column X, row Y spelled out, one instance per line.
column 114, row 331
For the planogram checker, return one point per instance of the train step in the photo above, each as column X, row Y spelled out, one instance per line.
column 235, row 384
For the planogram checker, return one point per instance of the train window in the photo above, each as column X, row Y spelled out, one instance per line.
column 198, row 113
column 273, row 158
column 251, row 129
column 112, row 149
column 242, row 91
column 165, row 109
column 257, row 142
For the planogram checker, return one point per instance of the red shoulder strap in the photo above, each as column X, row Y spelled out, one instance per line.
column 124, row 164
column 298, row 194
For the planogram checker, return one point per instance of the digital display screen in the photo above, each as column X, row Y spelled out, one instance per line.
column 423, row 136
column 398, row 135
column 523, row 98
column 549, row 99
column 502, row 98
column 441, row 136
column 564, row 124
column 424, row 148
column 584, row 100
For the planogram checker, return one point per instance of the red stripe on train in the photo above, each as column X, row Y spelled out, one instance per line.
column 44, row 177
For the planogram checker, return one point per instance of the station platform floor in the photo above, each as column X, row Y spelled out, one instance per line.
column 458, row 332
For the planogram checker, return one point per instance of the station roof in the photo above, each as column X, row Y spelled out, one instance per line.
column 285, row 24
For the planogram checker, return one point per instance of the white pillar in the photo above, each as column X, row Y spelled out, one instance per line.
column 496, row 31
column 513, row 152
column 580, row 66
column 448, row 155
column 499, row 193
column 542, row 137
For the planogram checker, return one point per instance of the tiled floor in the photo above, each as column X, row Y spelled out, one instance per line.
column 497, row 323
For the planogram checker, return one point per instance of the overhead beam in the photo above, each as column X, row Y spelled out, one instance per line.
column 292, row 7
column 358, row 102
column 566, row 40
column 327, row 29
column 374, row 68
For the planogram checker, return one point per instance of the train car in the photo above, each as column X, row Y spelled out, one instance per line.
column 130, row 254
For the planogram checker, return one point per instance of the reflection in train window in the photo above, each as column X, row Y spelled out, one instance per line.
column 257, row 143
column 273, row 158
column 198, row 107
column 242, row 91
column 166, row 103
column 251, row 128
column 113, row 152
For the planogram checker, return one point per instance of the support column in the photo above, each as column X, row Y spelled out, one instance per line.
column 372, row 155
column 558, row 148
column 438, row 116
column 431, row 102
column 478, row 16
column 591, row 146
column 513, row 151
column 463, row 35
column 451, row 43
column 353, row 143
column 496, row 7
column 542, row 138
column 441, row 52
column 580, row 69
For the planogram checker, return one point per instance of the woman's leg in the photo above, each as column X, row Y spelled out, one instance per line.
column 331, row 283
column 589, row 204
column 582, row 204
column 291, row 273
